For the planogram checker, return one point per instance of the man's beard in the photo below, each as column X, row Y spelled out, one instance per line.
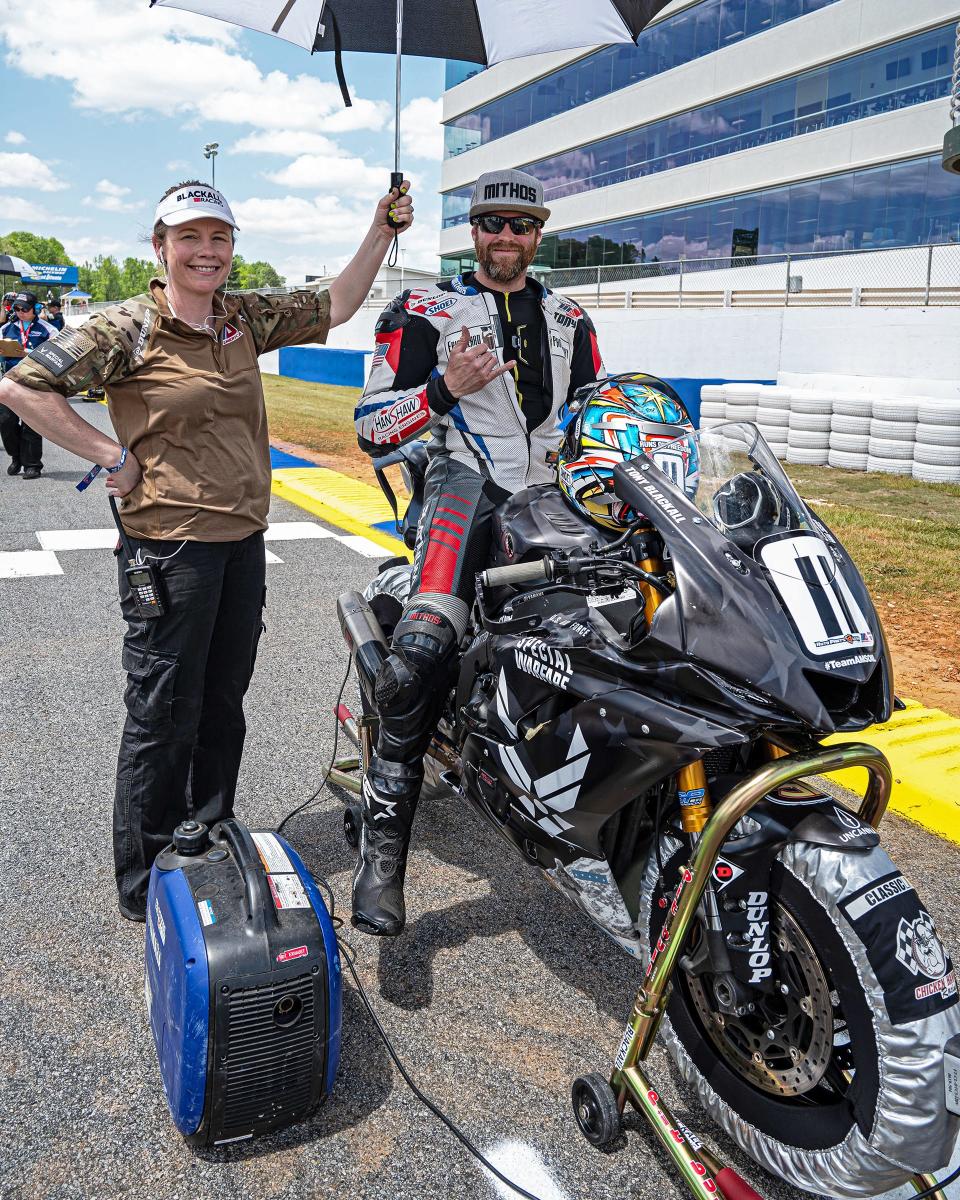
column 503, row 269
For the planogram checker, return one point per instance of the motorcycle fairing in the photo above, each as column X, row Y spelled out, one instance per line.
column 725, row 614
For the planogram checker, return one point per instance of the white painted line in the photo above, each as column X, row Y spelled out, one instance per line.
column 522, row 1164
column 288, row 531
column 270, row 557
column 77, row 539
column 22, row 564
column 363, row 545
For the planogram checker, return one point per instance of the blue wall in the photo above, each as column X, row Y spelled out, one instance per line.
column 321, row 364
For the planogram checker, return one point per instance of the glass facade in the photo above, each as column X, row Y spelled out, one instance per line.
column 908, row 203
column 696, row 31
column 911, row 71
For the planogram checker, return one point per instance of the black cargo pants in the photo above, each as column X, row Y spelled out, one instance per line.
column 187, row 673
column 21, row 442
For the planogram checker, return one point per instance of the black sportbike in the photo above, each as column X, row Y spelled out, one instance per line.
column 641, row 716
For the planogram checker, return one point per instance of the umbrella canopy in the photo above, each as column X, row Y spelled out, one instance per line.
column 481, row 31
column 11, row 265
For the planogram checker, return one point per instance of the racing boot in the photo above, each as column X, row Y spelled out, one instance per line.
column 390, row 793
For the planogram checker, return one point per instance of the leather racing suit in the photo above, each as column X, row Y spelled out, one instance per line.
column 485, row 446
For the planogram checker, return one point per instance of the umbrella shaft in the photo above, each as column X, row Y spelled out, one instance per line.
column 396, row 111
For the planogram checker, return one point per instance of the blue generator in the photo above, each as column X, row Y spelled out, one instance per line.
column 242, row 983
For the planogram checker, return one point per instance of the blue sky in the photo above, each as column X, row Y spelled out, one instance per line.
column 109, row 102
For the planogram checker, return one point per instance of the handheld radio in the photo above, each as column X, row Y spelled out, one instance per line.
column 143, row 579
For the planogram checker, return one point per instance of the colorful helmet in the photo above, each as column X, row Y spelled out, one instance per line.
column 619, row 418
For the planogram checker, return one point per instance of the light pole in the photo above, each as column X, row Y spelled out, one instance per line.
column 210, row 151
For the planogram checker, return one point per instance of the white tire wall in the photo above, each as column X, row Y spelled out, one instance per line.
column 911, row 1129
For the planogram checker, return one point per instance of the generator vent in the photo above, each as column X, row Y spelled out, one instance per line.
column 270, row 1049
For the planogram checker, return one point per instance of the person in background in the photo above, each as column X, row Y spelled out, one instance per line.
column 54, row 314
column 24, row 446
column 192, row 469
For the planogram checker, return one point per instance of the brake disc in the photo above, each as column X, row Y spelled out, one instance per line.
column 784, row 1046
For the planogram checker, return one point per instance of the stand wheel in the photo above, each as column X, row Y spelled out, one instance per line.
column 595, row 1107
column 352, row 820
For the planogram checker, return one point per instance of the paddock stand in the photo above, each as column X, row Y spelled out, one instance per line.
column 598, row 1104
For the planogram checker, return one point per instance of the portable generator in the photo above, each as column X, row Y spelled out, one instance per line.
column 242, row 983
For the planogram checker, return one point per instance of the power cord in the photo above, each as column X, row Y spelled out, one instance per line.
column 350, row 957
column 333, row 756
column 938, row 1187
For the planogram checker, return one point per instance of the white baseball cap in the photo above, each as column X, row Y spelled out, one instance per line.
column 191, row 202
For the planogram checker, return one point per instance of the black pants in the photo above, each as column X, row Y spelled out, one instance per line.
column 19, row 440
column 187, row 673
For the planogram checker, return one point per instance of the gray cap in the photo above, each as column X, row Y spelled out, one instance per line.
column 508, row 191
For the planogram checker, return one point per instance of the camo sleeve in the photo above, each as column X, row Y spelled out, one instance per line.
column 103, row 350
column 405, row 394
column 290, row 320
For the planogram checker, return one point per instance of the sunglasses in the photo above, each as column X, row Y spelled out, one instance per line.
column 22, row 308
column 520, row 226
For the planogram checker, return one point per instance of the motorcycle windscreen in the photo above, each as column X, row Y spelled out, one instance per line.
column 759, row 577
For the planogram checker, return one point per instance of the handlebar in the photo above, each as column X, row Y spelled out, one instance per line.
column 540, row 571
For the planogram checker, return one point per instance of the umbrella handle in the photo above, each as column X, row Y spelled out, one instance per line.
column 396, row 179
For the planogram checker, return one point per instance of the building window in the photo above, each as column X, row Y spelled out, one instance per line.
column 904, row 204
column 845, row 91
column 693, row 33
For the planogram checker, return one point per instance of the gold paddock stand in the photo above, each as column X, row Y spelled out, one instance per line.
column 701, row 1170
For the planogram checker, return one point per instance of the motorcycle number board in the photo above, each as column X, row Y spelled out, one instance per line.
column 816, row 596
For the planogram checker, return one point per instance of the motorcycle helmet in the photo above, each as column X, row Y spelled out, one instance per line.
column 746, row 508
column 615, row 419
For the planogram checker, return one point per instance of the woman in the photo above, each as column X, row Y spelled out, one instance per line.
column 192, row 467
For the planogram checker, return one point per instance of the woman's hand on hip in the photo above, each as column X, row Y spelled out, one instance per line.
column 399, row 207
column 126, row 479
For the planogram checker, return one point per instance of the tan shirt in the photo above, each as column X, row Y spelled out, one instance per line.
column 187, row 403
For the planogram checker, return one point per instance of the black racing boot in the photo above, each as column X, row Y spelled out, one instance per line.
column 390, row 793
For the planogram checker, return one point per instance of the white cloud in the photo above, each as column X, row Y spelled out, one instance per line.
column 177, row 164
column 421, row 133
column 109, row 198
column 14, row 138
column 289, row 142
column 26, row 210
column 339, row 174
column 28, row 171
column 165, row 61
column 85, row 249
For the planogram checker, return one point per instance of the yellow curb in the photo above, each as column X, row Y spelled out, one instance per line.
column 347, row 503
column 923, row 746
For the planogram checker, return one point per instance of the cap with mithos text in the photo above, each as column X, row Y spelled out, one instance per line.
column 192, row 202
column 508, row 191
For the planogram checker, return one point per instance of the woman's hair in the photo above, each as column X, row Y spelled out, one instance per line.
column 160, row 230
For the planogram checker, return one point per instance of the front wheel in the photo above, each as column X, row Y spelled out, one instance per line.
column 834, row 1080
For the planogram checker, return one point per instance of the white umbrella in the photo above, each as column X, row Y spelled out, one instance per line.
column 11, row 265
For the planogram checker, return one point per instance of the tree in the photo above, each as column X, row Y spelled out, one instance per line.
column 135, row 276
column 261, row 274
column 34, row 249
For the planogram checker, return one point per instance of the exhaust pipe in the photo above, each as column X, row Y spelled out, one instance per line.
column 363, row 635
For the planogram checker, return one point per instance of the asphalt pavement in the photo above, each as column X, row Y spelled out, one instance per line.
column 497, row 996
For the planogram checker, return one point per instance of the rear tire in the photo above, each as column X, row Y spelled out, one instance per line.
column 812, row 1126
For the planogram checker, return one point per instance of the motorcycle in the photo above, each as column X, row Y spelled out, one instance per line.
column 640, row 715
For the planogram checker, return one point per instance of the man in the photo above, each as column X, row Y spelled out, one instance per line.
column 484, row 362
column 23, row 445
column 54, row 315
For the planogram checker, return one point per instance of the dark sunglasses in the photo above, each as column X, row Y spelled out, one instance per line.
column 520, row 226
column 23, row 308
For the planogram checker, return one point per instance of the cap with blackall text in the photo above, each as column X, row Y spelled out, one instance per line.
column 508, row 191
column 192, row 202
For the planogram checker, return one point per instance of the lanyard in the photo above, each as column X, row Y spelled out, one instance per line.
column 25, row 334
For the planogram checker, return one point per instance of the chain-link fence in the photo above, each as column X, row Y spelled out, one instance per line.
column 887, row 276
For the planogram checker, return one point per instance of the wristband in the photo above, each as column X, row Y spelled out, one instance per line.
column 96, row 469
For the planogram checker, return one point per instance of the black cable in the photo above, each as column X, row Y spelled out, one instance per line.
column 932, row 1191
column 333, row 758
column 349, row 957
